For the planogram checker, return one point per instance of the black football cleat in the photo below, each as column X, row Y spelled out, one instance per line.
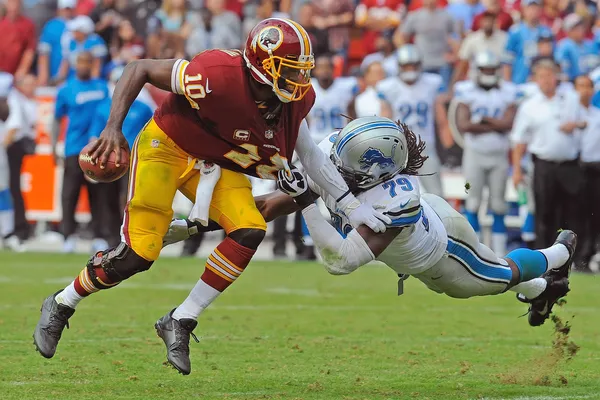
column 49, row 328
column 569, row 240
column 176, row 335
column 540, row 308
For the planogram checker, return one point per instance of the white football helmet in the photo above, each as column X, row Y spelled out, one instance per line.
column 370, row 150
column 488, row 69
column 409, row 60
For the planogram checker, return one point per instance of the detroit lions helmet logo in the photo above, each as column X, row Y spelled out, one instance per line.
column 375, row 156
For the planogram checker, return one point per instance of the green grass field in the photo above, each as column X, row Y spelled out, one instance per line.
column 291, row 331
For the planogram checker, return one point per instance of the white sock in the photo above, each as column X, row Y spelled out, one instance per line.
column 199, row 298
column 556, row 255
column 7, row 223
column 531, row 289
column 499, row 244
column 69, row 297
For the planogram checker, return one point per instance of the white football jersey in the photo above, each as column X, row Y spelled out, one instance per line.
column 422, row 242
column 486, row 103
column 326, row 114
column 414, row 104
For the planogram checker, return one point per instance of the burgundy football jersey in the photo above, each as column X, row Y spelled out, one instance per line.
column 215, row 118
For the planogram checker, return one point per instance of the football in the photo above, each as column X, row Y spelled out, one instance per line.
column 110, row 173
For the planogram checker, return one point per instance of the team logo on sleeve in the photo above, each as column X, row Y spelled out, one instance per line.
column 375, row 156
column 270, row 38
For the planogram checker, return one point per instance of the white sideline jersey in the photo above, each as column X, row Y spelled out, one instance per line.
column 486, row 103
column 326, row 114
column 422, row 242
column 528, row 89
column 414, row 104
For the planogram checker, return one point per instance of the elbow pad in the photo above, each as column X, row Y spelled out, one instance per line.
column 352, row 253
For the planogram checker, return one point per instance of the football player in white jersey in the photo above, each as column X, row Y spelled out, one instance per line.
column 486, row 107
column 426, row 238
column 333, row 98
column 415, row 101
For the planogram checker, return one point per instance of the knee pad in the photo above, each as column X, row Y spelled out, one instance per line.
column 249, row 238
column 118, row 264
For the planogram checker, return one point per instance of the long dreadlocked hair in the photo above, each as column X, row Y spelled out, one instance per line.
column 416, row 146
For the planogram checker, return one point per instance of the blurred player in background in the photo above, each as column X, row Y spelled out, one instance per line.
column 78, row 100
column 484, row 115
column 370, row 102
column 576, row 54
column 333, row 97
column 244, row 111
column 7, row 216
column 415, row 99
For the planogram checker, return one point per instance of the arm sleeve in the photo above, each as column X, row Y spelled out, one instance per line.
column 510, row 52
column 188, row 78
column 60, row 109
column 16, row 118
column 318, row 165
column 520, row 128
column 44, row 46
column 340, row 256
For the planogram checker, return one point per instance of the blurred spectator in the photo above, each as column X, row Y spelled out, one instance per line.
column 17, row 41
column 595, row 77
column 386, row 55
column 546, row 125
column 106, row 18
column 140, row 13
column 333, row 97
column 432, row 29
column 318, row 37
column 19, row 141
column 126, row 47
column 521, row 45
column 369, row 102
column 116, row 192
column 217, row 29
column 7, row 219
column 377, row 17
column 169, row 28
column 463, row 12
column 488, row 38
column 262, row 9
column 336, row 17
column 81, row 37
column 552, row 14
column 77, row 100
column 85, row 7
column 414, row 96
column 503, row 19
column 50, row 47
column 576, row 54
column 590, row 161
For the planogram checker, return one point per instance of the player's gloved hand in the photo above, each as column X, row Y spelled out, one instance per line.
column 179, row 230
column 364, row 214
column 293, row 183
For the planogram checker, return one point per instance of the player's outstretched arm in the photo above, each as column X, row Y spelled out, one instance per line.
column 135, row 76
column 322, row 171
column 340, row 255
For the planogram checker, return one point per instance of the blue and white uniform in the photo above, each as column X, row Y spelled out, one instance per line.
column 521, row 48
column 437, row 244
column 577, row 58
column 326, row 114
column 415, row 106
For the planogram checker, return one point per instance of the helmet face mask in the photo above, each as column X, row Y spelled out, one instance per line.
column 488, row 69
column 369, row 151
column 278, row 53
column 409, row 61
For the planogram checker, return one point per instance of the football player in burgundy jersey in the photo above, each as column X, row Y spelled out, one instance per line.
column 243, row 111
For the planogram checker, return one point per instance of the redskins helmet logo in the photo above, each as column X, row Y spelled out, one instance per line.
column 270, row 38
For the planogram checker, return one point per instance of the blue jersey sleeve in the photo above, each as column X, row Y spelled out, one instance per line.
column 564, row 56
column 44, row 45
column 97, row 47
column 99, row 119
column 61, row 107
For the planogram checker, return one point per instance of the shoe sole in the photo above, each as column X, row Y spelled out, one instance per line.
column 182, row 372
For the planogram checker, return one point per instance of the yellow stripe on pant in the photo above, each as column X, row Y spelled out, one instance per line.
column 156, row 174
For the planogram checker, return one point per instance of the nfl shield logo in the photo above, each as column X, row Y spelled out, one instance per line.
column 269, row 134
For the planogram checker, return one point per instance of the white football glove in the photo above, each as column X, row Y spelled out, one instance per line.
column 364, row 214
column 179, row 230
